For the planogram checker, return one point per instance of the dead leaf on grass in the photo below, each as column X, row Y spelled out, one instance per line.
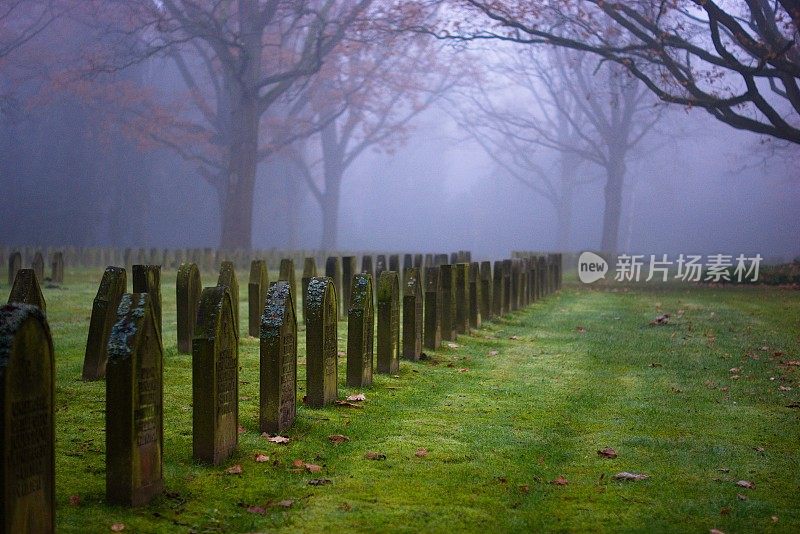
column 422, row 452
column 745, row 484
column 560, row 480
column 608, row 452
column 338, row 438
column 372, row 455
column 234, row 470
column 630, row 476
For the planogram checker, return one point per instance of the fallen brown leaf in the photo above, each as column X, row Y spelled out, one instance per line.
column 745, row 484
column 313, row 468
column 735, row 370
column 234, row 469
column 281, row 440
column 298, row 464
column 345, row 507
column 117, row 527
column 725, row 510
column 74, row 500
column 338, row 438
column 608, row 452
column 261, row 458
column 559, row 481
column 452, row 345
column 463, row 370
column 242, row 429
column 774, row 518
column 784, row 388
column 319, row 481
column 347, row 404
column 660, row 320
column 580, row 329
column 493, row 353
column 421, row 452
column 256, row 510
column 715, row 531
column 360, row 397
column 286, row 503
column 741, row 496
column 524, row 488
column 630, row 476
column 795, row 363
column 372, row 455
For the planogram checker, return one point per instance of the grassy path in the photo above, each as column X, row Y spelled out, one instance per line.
column 498, row 428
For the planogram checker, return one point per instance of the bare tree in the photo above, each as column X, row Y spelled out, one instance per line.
column 561, row 101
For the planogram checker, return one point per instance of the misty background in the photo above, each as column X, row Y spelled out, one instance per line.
column 693, row 185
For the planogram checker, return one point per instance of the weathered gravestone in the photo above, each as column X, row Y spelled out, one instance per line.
column 486, row 308
column 408, row 262
column 28, row 433
column 447, row 287
column 348, row 270
column 507, row 295
column 440, row 259
column 474, row 296
column 134, row 404
column 360, row 332
column 412, row 315
column 454, row 258
column 333, row 270
column 498, row 290
column 227, row 278
column 14, row 265
column 278, row 374
column 57, row 268
column 187, row 296
column 215, row 378
column 38, row 266
column 147, row 279
column 542, row 269
column 26, row 290
column 286, row 272
column 104, row 315
column 380, row 266
column 309, row 272
column 366, row 265
column 256, row 295
column 388, row 323
column 433, row 309
column 394, row 263
column 462, row 298
column 321, row 343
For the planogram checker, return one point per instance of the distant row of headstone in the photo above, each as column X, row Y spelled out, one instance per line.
column 15, row 264
column 125, row 345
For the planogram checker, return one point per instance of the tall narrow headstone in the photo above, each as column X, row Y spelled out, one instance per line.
column 487, row 311
column 507, row 286
column 215, row 378
column 134, row 404
column 14, row 265
column 388, row 323
column 187, row 297
column 394, row 263
column 26, row 290
column 256, row 295
column 227, row 278
column 57, row 268
column 380, row 266
column 474, row 295
column 333, row 270
column 147, row 279
column 412, row 315
column 498, row 290
column 278, row 370
column 104, row 315
column 38, row 266
column 309, row 272
column 348, row 270
column 360, row 332
column 462, row 298
column 27, row 369
column 408, row 262
column 286, row 272
column 433, row 309
column 366, row 265
column 321, row 343
column 447, row 287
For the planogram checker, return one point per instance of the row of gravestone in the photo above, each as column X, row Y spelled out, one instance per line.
column 134, row 367
column 15, row 264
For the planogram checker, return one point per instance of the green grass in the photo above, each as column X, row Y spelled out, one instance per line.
column 497, row 433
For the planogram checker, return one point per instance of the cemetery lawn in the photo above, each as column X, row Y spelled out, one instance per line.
column 697, row 405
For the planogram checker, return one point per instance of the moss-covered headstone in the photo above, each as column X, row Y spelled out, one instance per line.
column 215, row 378
column 187, row 296
column 278, row 375
column 433, row 309
column 394, row 263
column 27, row 447
column 38, row 266
column 333, row 270
column 321, row 342
column 412, row 315
column 462, row 298
column 286, row 272
column 447, row 287
column 14, row 265
column 147, row 279
column 57, row 268
column 26, row 290
column 227, row 278
column 486, row 290
column 256, row 295
column 309, row 272
column 360, row 332
column 366, row 265
column 348, row 270
column 474, row 295
column 134, row 404
column 113, row 285
column 388, row 346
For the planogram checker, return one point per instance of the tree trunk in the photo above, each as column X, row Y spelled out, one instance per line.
column 333, row 159
column 568, row 164
column 615, row 179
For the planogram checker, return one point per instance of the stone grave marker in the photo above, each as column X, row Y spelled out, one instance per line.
column 188, row 289
column 333, row 270
column 278, row 370
column 462, row 298
column 321, row 343
column 215, row 378
column 147, row 279
column 309, row 271
column 256, row 295
column 134, row 404
column 227, row 278
column 447, row 287
column 286, row 272
column 348, row 270
column 388, row 323
column 360, row 332
column 27, row 396
column 408, row 262
column 113, row 285
column 433, row 309
column 26, row 290
column 38, row 266
column 507, row 295
column 57, row 268
column 412, row 315
column 14, row 265
column 380, row 266
column 486, row 308
column 394, row 263
column 498, row 290
column 474, row 295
